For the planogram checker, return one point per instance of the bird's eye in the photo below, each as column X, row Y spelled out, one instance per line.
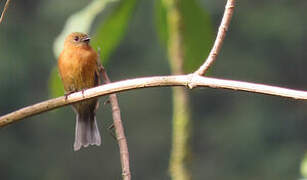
column 76, row 38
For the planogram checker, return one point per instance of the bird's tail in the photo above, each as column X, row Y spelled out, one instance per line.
column 87, row 132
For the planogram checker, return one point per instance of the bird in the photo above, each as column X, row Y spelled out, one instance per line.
column 78, row 69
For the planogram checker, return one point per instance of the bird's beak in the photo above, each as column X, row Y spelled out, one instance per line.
column 87, row 39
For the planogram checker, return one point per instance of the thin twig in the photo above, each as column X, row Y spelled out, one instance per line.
column 4, row 10
column 190, row 80
column 119, row 129
column 229, row 8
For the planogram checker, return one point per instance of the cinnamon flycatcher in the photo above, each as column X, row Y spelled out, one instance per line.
column 79, row 70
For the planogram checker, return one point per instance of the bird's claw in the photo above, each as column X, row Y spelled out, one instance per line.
column 83, row 92
column 67, row 94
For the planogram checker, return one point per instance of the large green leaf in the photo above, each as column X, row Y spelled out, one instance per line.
column 56, row 88
column 197, row 31
column 112, row 30
column 304, row 166
column 108, row 34
column 80, row 21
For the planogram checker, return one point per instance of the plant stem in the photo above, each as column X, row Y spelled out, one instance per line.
column 181, row 122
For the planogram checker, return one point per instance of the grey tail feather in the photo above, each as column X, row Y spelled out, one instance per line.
column 87, row 132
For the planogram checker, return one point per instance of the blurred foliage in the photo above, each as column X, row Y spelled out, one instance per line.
column 187, row 20
column 304, row 166
column 236, row 136
column 80, row 21
column 55, row 84
column 173, row 19
column 197, row 32
column 111, row 31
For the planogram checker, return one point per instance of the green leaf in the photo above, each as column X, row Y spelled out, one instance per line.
column 161, row 22
column 304, row 166
column 79, row 22
column 197, row 32
column 109, row 34
column 56, row 88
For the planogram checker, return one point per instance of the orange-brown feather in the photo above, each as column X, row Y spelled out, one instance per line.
column 77, row 67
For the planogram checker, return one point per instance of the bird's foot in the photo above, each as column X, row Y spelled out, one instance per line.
column 66, row 94
column 83, row 92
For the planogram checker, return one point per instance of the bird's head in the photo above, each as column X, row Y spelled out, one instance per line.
column 77, row 39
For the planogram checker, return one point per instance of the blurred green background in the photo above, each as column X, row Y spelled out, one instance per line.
column 236, row 135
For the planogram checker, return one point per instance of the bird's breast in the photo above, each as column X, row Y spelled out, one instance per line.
column 77, row 68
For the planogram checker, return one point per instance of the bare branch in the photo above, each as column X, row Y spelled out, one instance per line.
column 119, row 129
column 219, row 38
column 4, row 10
column 190, row 80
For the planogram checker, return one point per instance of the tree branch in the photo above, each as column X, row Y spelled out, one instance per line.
column 4, row 10
column 219, row 38
column 190, row 80
column 119, row 129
